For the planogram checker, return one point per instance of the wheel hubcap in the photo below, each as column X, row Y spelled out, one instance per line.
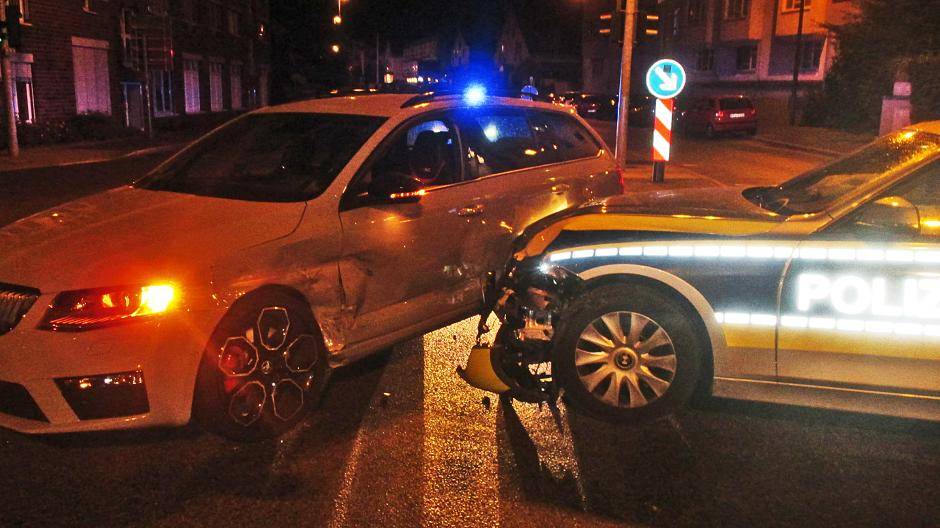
column 268, row 368
column 625, row 359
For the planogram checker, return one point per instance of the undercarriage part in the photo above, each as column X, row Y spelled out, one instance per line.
column 524, row 367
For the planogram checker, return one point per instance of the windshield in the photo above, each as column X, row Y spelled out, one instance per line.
column 818, row 189
column 278, row 157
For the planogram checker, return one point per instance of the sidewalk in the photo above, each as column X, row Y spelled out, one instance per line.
column 825, row 141
column 638, row 178
column 91, row 152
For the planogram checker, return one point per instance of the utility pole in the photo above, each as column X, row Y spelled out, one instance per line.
column 797, row 57
column 626, row 60
column 8, row 85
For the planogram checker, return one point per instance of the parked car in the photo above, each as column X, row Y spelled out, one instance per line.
column 718, row 114
column 823, row 291
column 227, row 283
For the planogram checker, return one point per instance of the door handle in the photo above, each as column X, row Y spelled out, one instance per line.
column 471, row 210
column 561, row 188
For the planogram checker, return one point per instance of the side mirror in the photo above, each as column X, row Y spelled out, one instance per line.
column 394, row 187
column 892, row 214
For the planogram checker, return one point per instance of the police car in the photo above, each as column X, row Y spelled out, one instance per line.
column 823, row 291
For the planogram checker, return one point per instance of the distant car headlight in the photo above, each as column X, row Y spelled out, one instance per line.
column 87, row 309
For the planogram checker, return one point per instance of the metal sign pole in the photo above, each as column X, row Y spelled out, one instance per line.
column 665, row 80
column 626, row 60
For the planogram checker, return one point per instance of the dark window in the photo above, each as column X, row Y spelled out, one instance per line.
column 737, row 9
column 746, row 58
column 706, row 60
column 266, row 157
column 502, row 140
column 427, row 151
column 563, row 134
column 810, row 53
column 696, row 13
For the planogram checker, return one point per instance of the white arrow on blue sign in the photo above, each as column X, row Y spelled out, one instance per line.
column 665, row 79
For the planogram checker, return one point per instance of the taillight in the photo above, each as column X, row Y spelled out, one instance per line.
column 720, row 114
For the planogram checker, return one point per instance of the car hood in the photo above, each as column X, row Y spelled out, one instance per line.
column 128, row 235
column 719, row 212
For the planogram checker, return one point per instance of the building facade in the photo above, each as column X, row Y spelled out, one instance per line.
column 104, row 56
column 749, row 46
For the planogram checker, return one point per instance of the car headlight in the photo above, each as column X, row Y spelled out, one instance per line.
column 86, row 309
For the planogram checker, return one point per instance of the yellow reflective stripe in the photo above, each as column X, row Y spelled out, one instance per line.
column 623, row 222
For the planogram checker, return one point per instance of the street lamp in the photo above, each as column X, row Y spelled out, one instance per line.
column 335, row 48
column 337, row 20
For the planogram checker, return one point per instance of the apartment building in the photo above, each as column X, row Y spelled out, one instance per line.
column 750, row 45
column 98, row 56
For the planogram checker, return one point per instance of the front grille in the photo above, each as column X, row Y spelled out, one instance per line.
column 15, row 301
column 16, row 401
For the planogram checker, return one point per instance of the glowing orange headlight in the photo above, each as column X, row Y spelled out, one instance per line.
column 86, row 309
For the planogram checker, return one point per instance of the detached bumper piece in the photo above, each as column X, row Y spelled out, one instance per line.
column 480, row 373
column 16, row 401
column 106, row 396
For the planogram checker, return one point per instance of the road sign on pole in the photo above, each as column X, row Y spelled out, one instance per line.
column 665, row 80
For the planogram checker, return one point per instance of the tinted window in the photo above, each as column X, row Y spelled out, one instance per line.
column 735, row 103
column 501, row 140
column 566, row 136
column 266, row 157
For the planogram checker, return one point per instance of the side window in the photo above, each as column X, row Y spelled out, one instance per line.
column 426, row 152
column 502, row 140
column 566, row 135
column 907, row 211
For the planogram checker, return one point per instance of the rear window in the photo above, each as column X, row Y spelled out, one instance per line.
column 735, row 103
column 266, row 157
column 566, row 136
column 502, row 140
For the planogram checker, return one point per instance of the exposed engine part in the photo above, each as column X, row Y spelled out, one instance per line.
column 537, row 326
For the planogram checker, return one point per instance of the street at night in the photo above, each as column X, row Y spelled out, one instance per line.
column 399, row 440
column 470, row 263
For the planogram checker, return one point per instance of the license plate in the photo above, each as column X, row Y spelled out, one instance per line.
column 737, row 116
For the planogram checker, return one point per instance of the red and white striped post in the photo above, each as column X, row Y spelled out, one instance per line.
column 662, row 137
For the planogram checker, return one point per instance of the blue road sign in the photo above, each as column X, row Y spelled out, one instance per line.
column 665, row 79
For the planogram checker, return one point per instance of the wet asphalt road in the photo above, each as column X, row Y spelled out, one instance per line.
column 400, row 441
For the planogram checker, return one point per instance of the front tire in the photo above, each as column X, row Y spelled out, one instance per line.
column 263, row 369
column 626, row 354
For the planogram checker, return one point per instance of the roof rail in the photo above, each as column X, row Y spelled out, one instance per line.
column 428, row 97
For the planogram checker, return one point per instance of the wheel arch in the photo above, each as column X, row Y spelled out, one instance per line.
column 675, row 287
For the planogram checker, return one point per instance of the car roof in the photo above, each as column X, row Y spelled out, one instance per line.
column 388, row 105
column 931, row 127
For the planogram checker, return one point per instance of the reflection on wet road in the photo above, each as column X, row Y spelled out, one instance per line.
column 400, row 441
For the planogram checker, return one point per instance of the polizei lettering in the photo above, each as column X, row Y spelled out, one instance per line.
column 875, row 296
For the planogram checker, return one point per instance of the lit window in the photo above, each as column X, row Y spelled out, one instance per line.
column 191, row 86
column 92, row 83
column 23, row 100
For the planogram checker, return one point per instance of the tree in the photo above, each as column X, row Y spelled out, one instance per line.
column 871, row 47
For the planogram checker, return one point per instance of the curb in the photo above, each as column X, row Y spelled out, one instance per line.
column 802, row 148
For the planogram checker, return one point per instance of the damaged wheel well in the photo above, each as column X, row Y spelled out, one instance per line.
column 705, row 383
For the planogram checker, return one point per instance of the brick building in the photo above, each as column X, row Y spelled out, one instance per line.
column 96, row 56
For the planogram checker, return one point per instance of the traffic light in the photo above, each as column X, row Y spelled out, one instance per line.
column 611, row 23
column 647, row 26
column 12, row 30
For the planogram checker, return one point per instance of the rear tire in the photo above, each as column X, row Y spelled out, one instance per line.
column 263, row 369
column 627, row 354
